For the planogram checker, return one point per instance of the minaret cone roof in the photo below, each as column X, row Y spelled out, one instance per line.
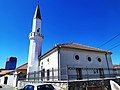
column 37, row 13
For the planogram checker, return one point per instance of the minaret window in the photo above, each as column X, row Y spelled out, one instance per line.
column 38, row 30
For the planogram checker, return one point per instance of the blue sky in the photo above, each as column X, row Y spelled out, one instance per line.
column 87, row 22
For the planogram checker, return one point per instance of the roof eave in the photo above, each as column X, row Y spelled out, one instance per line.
column 53, row 49
column 87, row 49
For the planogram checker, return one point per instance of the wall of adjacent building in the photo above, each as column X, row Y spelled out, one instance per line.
column 2, row 80
column 9, row 81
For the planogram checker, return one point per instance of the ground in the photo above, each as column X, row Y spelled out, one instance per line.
column 6, row 87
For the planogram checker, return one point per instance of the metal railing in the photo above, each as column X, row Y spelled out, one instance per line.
column 71, row 73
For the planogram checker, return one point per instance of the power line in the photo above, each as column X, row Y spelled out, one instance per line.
column 109, row 40
column 114, row 47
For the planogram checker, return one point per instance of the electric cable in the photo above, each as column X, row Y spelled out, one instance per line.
column 114, row 47
column 109, row 40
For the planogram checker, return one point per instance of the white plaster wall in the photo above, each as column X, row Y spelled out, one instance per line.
column 34, row 52
column 110, row 60
column 10, row 80
column 2, row 80
column 36, row 25
column 15, row 80
column 53, row 61
column 49, row 62
column 67, row 57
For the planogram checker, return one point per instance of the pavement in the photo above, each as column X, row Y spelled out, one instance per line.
column 7, row 87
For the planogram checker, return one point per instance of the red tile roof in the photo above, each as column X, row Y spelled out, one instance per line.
column 76, row 46
column 3, row 72
column 116, row 66
column 79, row 46
column 24, row 66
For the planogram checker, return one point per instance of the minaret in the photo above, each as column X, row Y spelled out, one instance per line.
column 35, row 42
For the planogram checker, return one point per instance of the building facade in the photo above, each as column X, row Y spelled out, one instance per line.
column 72, row 60
column 11, row 63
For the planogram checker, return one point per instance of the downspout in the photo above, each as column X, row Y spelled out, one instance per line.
column 107, row 63
column 58, row 62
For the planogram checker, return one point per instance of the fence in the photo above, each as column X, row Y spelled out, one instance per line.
column 72, row 73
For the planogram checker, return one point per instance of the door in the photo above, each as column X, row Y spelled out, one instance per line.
column 101, row 73
column 79, row 73
column 42, row 74
column 48, row 74
column 5, row 80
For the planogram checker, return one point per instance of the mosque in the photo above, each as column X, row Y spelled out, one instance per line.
column 67, row 55
column 69, row 66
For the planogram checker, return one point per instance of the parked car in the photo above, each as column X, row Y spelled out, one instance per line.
column 42, row 86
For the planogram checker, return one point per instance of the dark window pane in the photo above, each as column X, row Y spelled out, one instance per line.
column 76, row 57
column 89, row 59
column 45, row 87
column 29, row 87
column 99, row 59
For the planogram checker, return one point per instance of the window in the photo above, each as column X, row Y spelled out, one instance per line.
column 38, row 29
column 45, row 87
column 48, row 74
column 89, row 59
column 76, row 57
column 42, row 63
column 48, row 60
column 28, row 87
column 99, row 59
column 43, row 73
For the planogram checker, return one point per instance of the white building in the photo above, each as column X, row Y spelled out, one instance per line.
column 72, row 59
column 68, row 60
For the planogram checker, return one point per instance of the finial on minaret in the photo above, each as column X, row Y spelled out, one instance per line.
column 37, row 12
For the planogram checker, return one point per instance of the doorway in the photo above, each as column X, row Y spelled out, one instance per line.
column 5, row 80
column 48, row 74
column 79, row 73
column 101, row 72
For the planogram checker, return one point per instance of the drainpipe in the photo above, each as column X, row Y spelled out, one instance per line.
column 107, row 63
column 58, row 62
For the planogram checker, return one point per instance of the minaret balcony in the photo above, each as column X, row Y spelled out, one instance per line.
column 33, row 34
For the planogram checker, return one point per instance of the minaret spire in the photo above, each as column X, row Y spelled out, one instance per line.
column 37, row 12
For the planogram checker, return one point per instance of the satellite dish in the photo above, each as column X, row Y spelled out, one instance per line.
column 114, row 85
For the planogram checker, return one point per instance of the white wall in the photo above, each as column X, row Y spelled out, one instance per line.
column 50, row 61
column 67, row 57
column 2, row 80
column 11, row 80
